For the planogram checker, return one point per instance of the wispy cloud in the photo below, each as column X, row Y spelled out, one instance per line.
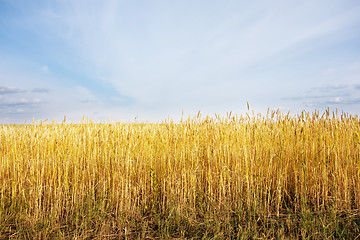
column 22, row 102
column 341, row 100
column 19, row 101
column 331, row 88
column 330, row 95
column 10, row 90
column 41, row 90
column 304, row 97
column 162, row 49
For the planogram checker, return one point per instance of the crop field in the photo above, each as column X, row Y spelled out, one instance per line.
column 277, row 176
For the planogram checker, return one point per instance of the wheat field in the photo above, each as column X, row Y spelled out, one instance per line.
column 277, row 176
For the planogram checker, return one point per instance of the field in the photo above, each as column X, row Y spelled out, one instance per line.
column 276, row 176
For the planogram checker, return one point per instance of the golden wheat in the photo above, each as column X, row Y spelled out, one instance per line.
column 97, row 180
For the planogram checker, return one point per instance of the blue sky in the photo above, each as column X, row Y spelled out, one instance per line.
column 147, row 60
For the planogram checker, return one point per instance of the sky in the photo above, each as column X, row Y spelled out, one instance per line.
column 135, row 61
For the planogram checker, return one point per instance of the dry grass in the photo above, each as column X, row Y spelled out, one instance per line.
column 235, row 177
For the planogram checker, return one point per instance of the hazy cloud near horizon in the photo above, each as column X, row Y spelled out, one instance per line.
column 330, row 96
column 154, row 59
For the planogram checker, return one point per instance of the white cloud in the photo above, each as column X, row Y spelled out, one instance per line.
column 149, row 53
column 337, row 99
